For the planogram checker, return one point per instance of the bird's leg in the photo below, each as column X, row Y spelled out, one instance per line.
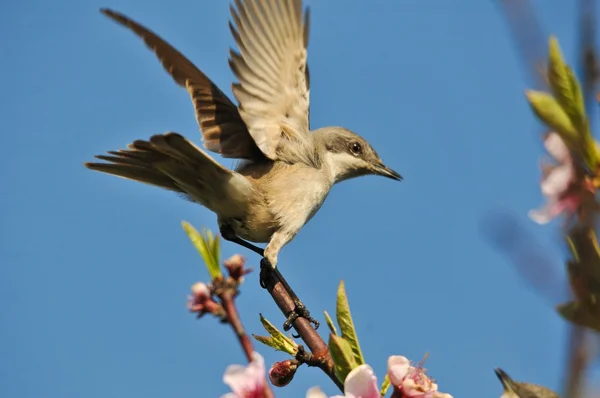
column 300, row 309
column 266, row 270
column 228, row 234
column 278, row 240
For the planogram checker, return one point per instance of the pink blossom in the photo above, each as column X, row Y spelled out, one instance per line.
column 236, row 267
column 360, row 383
column 246, row 381
column 559, row 182
column 412, row 381
column 201, row 301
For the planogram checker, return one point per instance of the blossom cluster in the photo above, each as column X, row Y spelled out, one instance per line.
column 406, row 379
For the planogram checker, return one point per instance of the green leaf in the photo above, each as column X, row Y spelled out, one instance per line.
column 577, row 113
column 560, row 81
column 268, row 341
column 278, row 340
column 208, row 246
column 344, row 319
column 588, row 146
column 342, row 355
column 581, row 314
column 385, row 386
column 215, row 247
column 330, row 323
column 549, row 111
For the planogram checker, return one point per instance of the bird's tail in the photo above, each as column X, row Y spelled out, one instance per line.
column 171, row 162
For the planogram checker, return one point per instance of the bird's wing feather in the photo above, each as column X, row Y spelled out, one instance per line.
column 223, row 130
column 273, row 89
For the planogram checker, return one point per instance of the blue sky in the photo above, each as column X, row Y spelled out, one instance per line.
column 95, row 269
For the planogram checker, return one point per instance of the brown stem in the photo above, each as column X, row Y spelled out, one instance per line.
column 579, row 356
column 530, row 38
column 580, row 353
column 226, row 294
column 317, row 346
column 236, row 324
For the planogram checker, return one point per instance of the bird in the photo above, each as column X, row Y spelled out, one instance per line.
column 285, row 169
column 515, row 389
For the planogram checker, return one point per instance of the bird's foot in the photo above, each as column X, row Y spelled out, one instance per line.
column 300, row 311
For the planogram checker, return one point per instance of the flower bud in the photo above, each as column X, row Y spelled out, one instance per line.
column 200, row 290
column 235, row 266
column 281, row 373
column 201, row 301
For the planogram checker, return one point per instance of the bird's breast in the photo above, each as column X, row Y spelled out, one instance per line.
column 287, row 197
column 296, row 196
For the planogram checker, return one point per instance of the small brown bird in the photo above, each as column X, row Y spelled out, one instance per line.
column 287, row 169
column 514, row 389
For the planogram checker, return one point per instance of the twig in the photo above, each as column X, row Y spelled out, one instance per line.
column 320, row 352
column 529, row 38
column 579, row 351
column 226, row 290
column 236, row 324
column 579, row 358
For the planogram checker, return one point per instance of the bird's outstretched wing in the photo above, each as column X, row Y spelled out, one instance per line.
column 273, row 89
column 223, row 130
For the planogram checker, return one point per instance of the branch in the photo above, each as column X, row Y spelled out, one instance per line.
column 233, row 318
column 226, row 289
column 320, row 351
column 579, row 353
column 530, row 39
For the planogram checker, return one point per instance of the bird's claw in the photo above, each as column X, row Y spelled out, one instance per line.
column 299, row 311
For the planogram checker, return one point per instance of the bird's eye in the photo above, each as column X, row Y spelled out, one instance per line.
column 355, row 148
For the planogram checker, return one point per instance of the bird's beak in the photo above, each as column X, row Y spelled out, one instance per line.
column 383, row 170
column 505, row 379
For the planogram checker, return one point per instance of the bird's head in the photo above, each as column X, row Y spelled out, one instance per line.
column 508, row 384
column 348, row 155
column 515, row 389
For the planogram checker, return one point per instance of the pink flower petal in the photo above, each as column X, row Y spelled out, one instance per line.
column 398, row 367
column 558, row 180
column 245, row 380
column 315, row 392
column 361, row 383
column 543, row 215
column 557, row 148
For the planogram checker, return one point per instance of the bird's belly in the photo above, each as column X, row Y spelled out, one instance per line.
column 252, row 227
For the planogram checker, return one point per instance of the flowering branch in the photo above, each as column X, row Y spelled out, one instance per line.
column 320, row 355
column 226, row 289
column 574, row 182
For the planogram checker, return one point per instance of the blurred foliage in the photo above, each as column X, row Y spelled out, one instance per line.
column 584, row 279
column 385, row 386
column 208, row 245
column 564, row 109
